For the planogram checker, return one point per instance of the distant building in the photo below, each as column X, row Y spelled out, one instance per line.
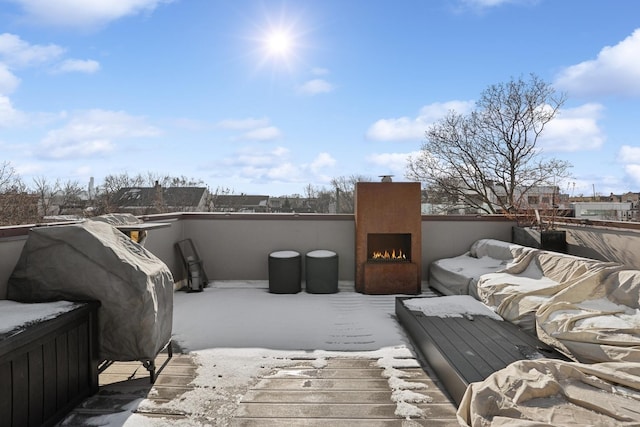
column 294, row 204
column 626, row 197
column 149, row 200
column 544, row 197
column 541, row 198
column 240, row 203
column 610, row 211
column 614, row 207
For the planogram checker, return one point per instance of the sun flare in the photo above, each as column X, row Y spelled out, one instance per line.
column 278, row 43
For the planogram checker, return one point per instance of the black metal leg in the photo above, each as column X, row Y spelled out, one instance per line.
column 151, row 367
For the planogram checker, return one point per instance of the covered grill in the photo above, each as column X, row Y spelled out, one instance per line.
column 93, row 260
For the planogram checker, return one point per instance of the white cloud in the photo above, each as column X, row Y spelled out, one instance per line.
column 615, row 71
column 285, row 172
column 278, row 164
column 257, row 165
column 322, row 161
column 242, row 124
column 268, row 133
column 9, row 116
column 574, row 129
column 30, row 168
column 406, row 128
column 78, row 65
column 432, row 112
column 633, row 172
column 318, row 71
column 250, row 157
column 84, row 13
column 190, row 124
column 94, row 132
column 8, row 81
column 629, row 157
column 390, row 163
column 16, row 52
column 628, row 154
column 254, row 129
column 315, row 86
column 403, row 128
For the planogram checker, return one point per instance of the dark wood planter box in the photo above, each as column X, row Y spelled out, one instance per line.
column 48, row 368
column 549, row 240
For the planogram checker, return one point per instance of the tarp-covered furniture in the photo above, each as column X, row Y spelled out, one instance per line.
column 454, row 276
column 549, row 392
column 518, row 291
column 93, row 260
column 595, row 321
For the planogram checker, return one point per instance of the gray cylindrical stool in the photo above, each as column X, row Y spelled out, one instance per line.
column 285, row 272
column 321, row 272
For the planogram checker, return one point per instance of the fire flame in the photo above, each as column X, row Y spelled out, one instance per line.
column 389, row 255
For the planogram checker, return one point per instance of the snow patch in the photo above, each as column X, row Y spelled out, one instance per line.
column 406, row 410
column 450, row 306
column 18, row 315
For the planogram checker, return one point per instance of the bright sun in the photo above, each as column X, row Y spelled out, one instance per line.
column 278, row 43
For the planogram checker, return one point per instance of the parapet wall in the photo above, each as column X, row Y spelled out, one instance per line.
column 236, row 246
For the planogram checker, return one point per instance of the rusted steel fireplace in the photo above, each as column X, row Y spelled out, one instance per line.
column 388, row 238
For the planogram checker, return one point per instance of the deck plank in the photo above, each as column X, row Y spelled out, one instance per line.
column 463, row 350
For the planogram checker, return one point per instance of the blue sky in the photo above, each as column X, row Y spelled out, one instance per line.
column 194, row 87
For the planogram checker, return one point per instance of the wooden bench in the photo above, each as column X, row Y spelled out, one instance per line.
column 48, row 367
column 462, row 350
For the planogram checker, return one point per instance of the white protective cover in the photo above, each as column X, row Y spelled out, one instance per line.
column 93, row 260
column 517, row 292
column 455, row 276
column 549, row 392
column 595, row 322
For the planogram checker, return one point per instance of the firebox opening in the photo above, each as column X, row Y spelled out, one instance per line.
column 389, row 247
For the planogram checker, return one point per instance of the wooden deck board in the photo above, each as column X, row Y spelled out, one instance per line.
column 464, row 350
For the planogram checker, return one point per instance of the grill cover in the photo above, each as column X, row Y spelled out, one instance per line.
column 93, row 260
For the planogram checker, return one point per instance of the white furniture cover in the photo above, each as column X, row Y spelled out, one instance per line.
column 454, row 276
column 92, row 260
column 550, row 392
column 595, row 321
column 517, row 292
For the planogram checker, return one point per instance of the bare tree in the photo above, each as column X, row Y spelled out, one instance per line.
column 321, row 197
column 111, row 185
column 172, row 181
column 114, row 183
column 8, row 176
column 71, row 196
column 46, row 191
column 490, row 158
column 17, row 204
column 345, row 190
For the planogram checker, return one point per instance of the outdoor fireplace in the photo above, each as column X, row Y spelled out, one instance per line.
column 388, row 238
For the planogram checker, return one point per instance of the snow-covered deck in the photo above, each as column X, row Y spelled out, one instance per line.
column 251, row 358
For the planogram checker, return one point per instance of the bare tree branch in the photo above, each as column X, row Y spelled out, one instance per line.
column 489, row 158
